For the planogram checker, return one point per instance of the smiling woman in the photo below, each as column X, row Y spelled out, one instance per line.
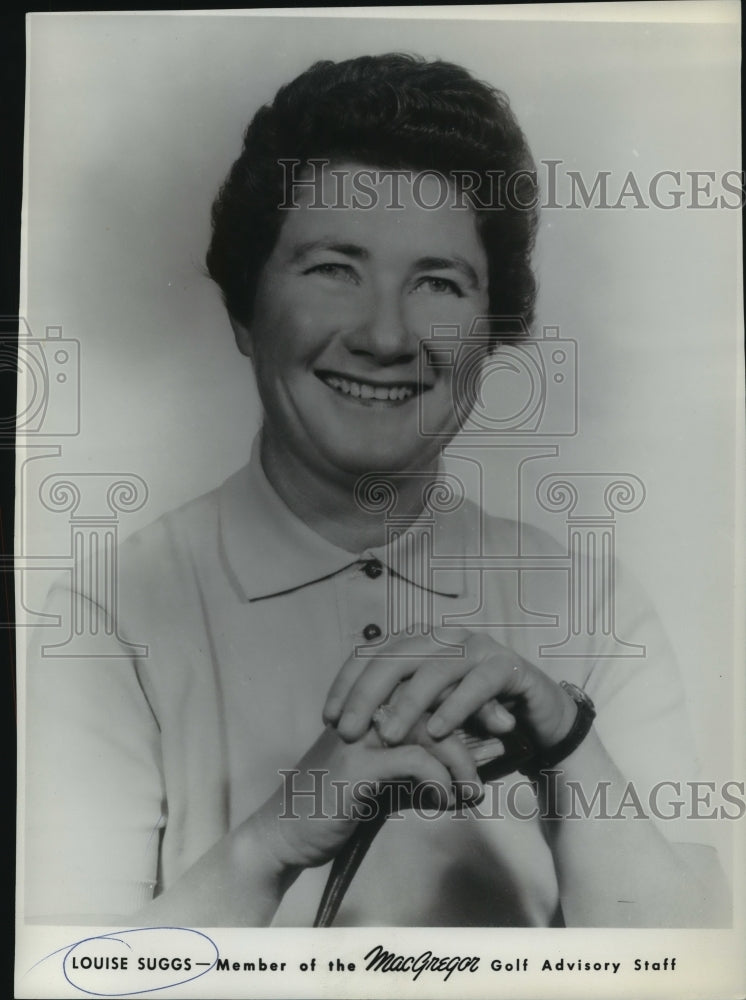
column 341, row 309
column 336, row 619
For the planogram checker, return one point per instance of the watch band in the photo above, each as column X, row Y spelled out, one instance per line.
column 580, row 728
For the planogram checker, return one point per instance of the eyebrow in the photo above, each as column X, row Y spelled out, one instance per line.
column 348, row 249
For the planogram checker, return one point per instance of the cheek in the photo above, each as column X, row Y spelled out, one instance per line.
column 302, row 320
column 325, row 310
column 284, row 336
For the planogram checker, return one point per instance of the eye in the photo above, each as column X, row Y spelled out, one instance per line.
column 329, row 269
column 439, row 285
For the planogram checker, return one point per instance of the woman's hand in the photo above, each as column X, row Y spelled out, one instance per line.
column 488, row 683
column 304, row 830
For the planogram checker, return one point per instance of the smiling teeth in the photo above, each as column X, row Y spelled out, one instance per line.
column 363, row 390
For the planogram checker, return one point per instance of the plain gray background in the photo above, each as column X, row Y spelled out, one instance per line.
column 133, row 121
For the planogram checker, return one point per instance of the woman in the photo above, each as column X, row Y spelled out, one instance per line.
column 299, row 650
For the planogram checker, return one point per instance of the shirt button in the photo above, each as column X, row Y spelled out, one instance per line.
column 373, row 569
column 371, row 632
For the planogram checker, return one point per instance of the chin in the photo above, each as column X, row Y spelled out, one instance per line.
column 382, row 460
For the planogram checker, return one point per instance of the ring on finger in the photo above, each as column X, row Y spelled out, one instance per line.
column 381, row 715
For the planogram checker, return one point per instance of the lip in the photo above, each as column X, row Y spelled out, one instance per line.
column 365, row 388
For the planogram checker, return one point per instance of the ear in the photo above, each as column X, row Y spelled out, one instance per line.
column 244, row 340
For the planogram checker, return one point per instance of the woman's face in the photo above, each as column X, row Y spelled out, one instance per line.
column 343, row 306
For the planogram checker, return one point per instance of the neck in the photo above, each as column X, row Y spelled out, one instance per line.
column 329, row 506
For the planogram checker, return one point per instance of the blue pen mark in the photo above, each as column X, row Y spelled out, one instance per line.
column 147, row 954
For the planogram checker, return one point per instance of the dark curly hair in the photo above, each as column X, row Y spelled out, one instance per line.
column 393, row 111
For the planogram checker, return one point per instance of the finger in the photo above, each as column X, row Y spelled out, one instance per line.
column 417, row 657
column 457, row 752
column 416, row 695
column 426, row 677
column 345, row 679
column 494, row 718
column 454, row 753
column 375, row 685
column 488, row 679
column 409, row 648
column 442, row 695
column 372, row 689
column 414, row 763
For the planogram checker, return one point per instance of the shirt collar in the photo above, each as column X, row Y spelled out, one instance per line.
column 268, row 551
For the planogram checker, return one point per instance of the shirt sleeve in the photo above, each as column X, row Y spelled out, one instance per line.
column 95, row 802
column 625, row 661
column 644, row 722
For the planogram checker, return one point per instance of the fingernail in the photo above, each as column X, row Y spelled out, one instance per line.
column 436, row 726
column 349, row 723
column 503, row 716
column 391, row 730
column 333, row 708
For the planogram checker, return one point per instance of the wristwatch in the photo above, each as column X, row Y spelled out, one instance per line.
column 584, row 717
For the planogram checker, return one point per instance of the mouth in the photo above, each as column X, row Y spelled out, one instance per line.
column 371, row 392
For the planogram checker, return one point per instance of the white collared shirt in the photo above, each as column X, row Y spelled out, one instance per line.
column 138, row 764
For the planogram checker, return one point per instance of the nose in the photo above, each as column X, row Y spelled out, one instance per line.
column 382, row 332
